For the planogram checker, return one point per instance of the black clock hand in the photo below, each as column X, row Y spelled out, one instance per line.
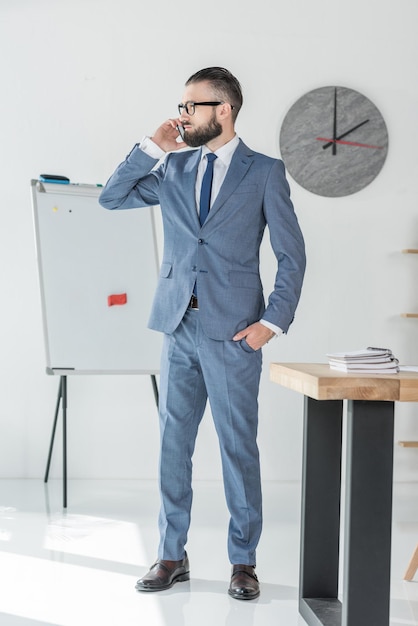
column 334, row 134
column 332, row 143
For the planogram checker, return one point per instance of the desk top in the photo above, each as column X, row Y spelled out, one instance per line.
column 319, row 381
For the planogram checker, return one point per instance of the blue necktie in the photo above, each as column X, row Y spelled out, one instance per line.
column 206, row 188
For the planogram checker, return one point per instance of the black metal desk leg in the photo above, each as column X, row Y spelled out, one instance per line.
column 321, row 485
column 368, row 515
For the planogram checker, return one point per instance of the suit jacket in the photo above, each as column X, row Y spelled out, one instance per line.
column 222, row 256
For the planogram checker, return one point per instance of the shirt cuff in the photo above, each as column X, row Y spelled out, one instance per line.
column 276, row 329
column 150, row 148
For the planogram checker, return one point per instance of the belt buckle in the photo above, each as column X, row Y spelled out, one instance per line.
column 194, row 303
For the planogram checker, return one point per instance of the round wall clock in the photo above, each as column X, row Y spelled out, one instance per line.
column 333, row 141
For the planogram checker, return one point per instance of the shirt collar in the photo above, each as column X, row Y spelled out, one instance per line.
column 225, row 152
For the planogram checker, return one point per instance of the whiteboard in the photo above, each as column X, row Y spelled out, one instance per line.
column 89, row 257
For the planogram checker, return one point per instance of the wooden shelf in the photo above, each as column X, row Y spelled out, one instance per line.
column 410, row 251
column 410, row 444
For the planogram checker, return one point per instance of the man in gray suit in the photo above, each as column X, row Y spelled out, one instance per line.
column 210, row 306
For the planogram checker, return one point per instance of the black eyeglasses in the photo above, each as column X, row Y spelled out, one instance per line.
column 189, row 106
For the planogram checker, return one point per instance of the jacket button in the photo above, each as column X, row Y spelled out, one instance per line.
column 200, row 241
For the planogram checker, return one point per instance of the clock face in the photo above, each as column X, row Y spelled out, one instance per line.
column 333, row 141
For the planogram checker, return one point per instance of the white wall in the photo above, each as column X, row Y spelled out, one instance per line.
column 82, row 81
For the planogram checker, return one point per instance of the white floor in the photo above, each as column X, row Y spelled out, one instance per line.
column 79, row 567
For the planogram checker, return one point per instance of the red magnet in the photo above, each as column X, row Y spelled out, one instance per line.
column 117, row 298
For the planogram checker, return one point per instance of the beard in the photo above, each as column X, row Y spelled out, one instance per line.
column 201, row 136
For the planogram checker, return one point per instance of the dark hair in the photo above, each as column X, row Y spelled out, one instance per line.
column 224, row 84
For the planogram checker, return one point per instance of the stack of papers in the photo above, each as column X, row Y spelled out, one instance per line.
column 367, row 361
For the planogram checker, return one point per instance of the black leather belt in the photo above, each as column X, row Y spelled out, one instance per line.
column 194, row 303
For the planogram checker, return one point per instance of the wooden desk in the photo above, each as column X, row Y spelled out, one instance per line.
column 367, row 527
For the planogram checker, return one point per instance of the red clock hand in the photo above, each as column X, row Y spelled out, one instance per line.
column 348, row 143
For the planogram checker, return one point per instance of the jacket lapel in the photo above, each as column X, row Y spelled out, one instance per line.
column 239, row 166
column 188, row 183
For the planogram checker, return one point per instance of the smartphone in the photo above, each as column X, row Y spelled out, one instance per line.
column 181, row 131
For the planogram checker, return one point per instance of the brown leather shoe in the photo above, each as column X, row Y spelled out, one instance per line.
column 244, row 583
column 163, row 574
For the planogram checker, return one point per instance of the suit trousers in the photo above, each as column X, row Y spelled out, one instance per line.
column 195, row 368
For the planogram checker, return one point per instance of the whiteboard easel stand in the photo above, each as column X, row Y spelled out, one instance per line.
column 62, row 395
column 62, row 398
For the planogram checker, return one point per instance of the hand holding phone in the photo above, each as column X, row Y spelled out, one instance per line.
column 167, row 135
